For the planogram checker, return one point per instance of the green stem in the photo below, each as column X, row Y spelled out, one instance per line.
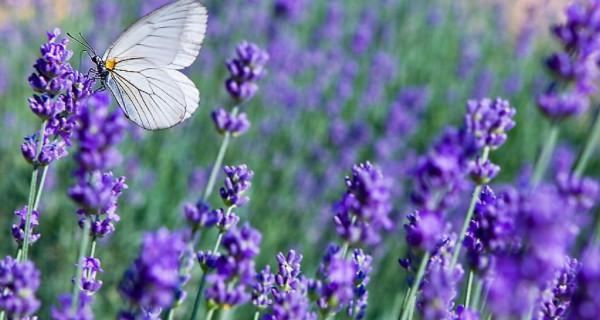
column 477, row 293
column 198, row 297
column 85, row 237
column 469, row 287
column 34, row 192
column 415, row 287
column 545, row 155
column 467, row 221
column 256, row 315
column 38, row 194
column 210, row 314
column 588, row 149
column 218, row 162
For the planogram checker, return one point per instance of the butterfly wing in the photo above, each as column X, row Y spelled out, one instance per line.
column 154, row 98
column 144, row 78
column 170, row 36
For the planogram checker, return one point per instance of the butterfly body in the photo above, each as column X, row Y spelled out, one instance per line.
column 141, row 68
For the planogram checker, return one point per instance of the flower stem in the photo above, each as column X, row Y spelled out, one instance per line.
column 198, row 297
column 38, row 194
column 256, row 315
column 415, row 287
column 85, row 237
column 588, row 149
column 210, row 313
column 477, row 293
column 469, row 287
column 34, row 192
column 467, row 221
column 545, row 155
column 218, row 162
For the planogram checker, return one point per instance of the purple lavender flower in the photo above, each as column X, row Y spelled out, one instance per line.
column 580, row 192
column 560, row 106
column 98, row 132
column 90, row 268
column 463, row 313
column 98, row 197
column 556, row 299
column 584, row 302
column 440, row 174
column 18, row 283
column 18, row 230
column 363, row 212
column 287, row 278
column 234, row 271
column 237, row 182
column 226, row 219
column 63, row 310
column 439, row 287
column 362, row 264
column 200, row 215
column 288, row 8
column 261, row 288
column 424, row 229
column 61, row 92
column 227, row 122
column 334, row 287
column 488, row 121
column 482, row 172
column 289, row 305
column 152, row 281
column 491, row 229
column 245, row 70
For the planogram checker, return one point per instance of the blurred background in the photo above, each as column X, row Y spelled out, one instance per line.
column 348, row 81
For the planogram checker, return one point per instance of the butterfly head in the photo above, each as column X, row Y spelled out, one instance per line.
column 101, row 68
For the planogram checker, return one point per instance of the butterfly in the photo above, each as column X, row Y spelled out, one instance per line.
column 141, row 68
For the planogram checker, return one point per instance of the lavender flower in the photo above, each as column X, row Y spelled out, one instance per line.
column 334, row 287
column 152, row 281
column 230, row 123
column 438, row 288
column 90, row 268
column 559, row 106
column 482, row 172
column 362, row 264
column 491, row 229
column 18, row 230
column 363, row 212
column 234, row 270
column 424, row 229
column 18, row 283
column 99, row 131
column 61, row 91
column 261, row 288
column 200, row 215
column 463, row 313
column 98, row 197
column 556, row 299
column 245, row 70
column 580, row 192
column 585, row 303
column 488, row 121
column 63, row 310
column 237, row 182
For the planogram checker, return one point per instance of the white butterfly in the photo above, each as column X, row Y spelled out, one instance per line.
column 141, row 67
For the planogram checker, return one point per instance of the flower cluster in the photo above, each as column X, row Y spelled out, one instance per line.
column 64, row 310
column 488, row 121
column 556, row 299
column 575, row 66
column 362, row 264
column 60, row 91
column 237, row 181
column 234, row 271
column 364, row 210
column 491, row 228
column 18, row 230
column 439, row 287
column 440, row 174
column 334, row 287
column 284, row 292
column 18, row 283
column 424, row 229
column 226, row 122
column 584, row 302
column 153, row 280
column 97, row 197
column 245, row 70
column 580, row 192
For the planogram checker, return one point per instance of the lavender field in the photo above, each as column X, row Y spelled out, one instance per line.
column 349, row 159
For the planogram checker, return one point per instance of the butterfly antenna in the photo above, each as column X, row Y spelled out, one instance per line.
column 89, row 46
